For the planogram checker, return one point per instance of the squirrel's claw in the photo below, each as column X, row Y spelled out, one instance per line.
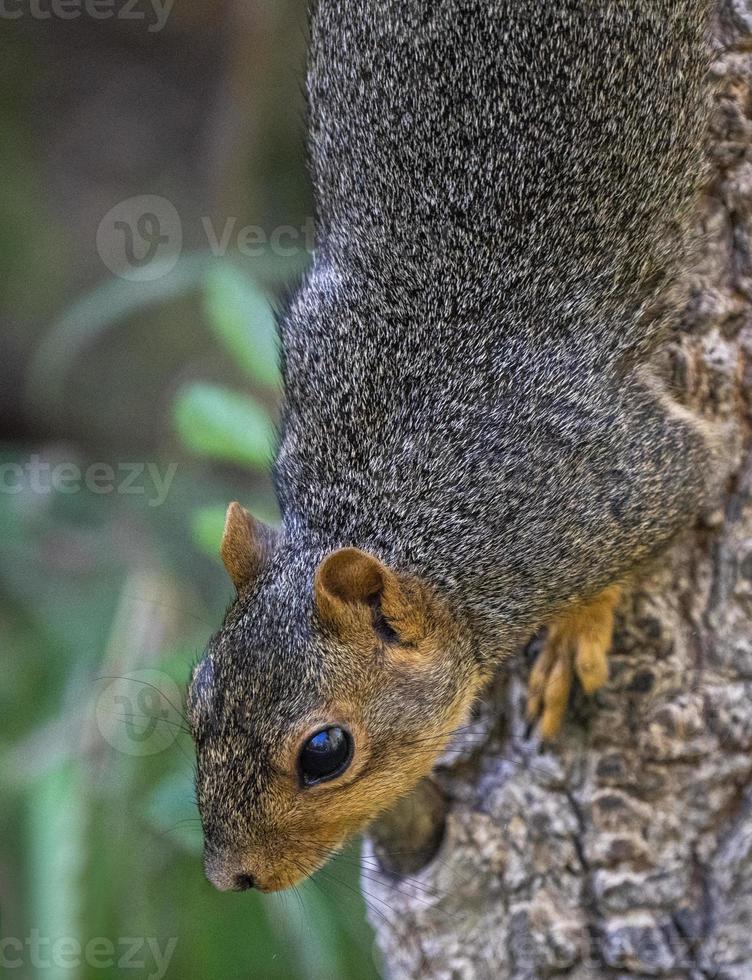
column 539, row 695
column 550, row 684
column 578, row 642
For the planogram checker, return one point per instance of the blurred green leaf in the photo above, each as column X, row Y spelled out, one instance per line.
column 88, row 318
column 222, row 424
column 207, row 525
column 242, row 319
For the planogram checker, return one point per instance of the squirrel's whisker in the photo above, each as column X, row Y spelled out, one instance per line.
column 125, row 719
column 367, row 897
column 400, row 884
column 153, row 687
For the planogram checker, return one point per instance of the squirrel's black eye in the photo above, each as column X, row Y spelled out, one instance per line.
column 325, row 755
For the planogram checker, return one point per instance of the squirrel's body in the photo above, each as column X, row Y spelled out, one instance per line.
column 501, row 189
column 499, row 185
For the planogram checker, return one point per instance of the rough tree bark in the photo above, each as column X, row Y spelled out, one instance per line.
column 625, row 850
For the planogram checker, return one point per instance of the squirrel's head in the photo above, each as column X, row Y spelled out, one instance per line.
column 328, row 693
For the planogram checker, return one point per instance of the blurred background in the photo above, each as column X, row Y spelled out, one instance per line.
column 154, row 207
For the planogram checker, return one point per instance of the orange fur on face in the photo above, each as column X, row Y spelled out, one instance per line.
column 308, row 825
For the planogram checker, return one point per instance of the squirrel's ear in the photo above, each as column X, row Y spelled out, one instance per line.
column 350, row 576
column 350, row 581
column 245, row 546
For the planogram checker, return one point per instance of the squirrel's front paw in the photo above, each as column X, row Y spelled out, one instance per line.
column 578, row 641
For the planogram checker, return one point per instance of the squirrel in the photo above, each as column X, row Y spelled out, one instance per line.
column 473, row 445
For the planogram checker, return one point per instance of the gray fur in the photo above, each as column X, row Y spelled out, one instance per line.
column 498, row 185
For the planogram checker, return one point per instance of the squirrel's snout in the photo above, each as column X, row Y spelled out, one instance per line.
column 226, row 876
column 229, row 871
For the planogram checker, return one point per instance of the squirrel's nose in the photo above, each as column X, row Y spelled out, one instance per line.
column 228, row 872
column 244, row 883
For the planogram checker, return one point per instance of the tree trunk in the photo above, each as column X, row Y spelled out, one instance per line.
column 625, row 849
